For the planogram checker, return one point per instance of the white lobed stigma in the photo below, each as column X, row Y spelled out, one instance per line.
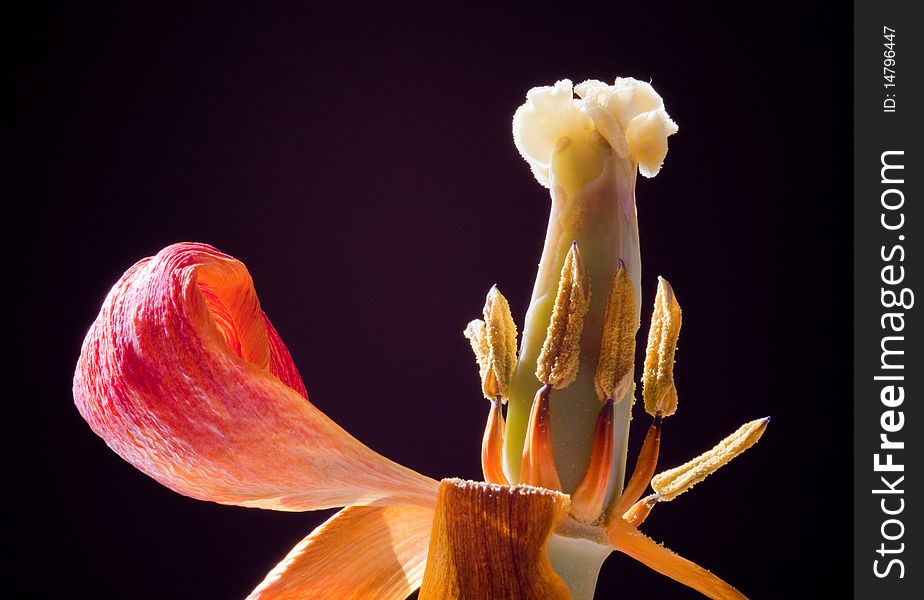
column 629, row 115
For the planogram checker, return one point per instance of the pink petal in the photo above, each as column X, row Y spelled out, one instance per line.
column 184, row 377
column 361, row 552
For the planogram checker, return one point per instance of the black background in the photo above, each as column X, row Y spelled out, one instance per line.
column 359, row 160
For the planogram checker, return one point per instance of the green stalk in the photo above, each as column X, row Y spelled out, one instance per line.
column 593, row 203
column 577, row 561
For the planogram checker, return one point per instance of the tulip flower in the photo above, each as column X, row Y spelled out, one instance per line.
column 184, row 376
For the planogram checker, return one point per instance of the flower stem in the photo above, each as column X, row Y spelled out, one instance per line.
column 577, row 561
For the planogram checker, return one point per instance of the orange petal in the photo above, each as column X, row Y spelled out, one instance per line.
column 361, row 552
column 184, row 377
column 629, row 540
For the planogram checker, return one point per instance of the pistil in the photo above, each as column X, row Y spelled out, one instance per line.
column 588, row 152
column 600, row 218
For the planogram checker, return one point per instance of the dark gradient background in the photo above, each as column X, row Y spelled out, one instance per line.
column 359, row 160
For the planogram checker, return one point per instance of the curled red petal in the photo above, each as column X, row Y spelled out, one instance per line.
column 184, row 377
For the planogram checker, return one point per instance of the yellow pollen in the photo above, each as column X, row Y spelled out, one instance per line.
column 676, row 481
column 501, row 333
column 477, row 335
column 559, row 358
column 617, row 349
column 658, row 388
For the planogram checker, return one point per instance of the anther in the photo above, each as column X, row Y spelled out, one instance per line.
column 558, row 361
column 617, row 347
column 676, row 481
column 501, row 333
column 477, row 335
column 658, row 388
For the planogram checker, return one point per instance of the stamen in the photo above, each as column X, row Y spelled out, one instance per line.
column 645, row 467
column 538, row 466
column 676, row 481
column 636, row 515
column 658, row 388
column 587, row 498
column 558, row 360
column 492, row 445
column 477, row 335
column 617, row 349
column 501, row 333
column 494, row 342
